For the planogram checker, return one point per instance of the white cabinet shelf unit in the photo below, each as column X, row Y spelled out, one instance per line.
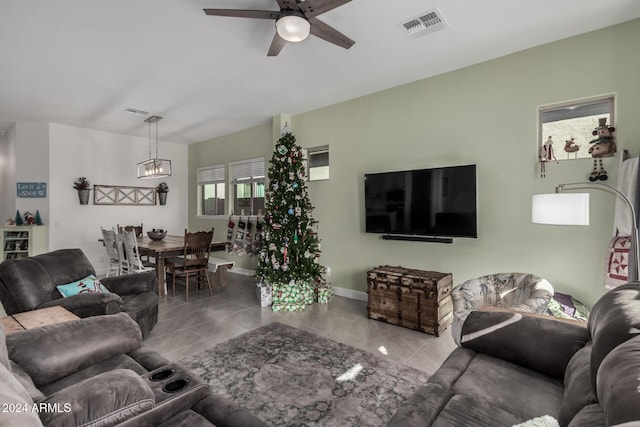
column 18, row 241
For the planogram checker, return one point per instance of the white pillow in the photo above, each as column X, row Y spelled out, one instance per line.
column 544, row 421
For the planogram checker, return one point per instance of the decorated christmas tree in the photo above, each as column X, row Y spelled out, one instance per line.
column 289, row 260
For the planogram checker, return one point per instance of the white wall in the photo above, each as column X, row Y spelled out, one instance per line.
column 7, row 175
column 32, row 165
column 107, row 159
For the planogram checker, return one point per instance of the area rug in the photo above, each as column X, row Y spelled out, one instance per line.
column 287, row 376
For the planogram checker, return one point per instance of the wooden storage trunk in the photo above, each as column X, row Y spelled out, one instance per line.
column 414, row 299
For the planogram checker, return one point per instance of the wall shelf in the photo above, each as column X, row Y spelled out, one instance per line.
column 23, row 240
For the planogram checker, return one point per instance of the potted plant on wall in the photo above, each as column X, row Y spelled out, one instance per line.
column 82, row 184
column 162, row 189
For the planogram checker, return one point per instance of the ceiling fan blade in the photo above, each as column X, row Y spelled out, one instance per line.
column 289, row 4
column 330, row 34
column 312, row 8
column 276, row 45
column 238, row 13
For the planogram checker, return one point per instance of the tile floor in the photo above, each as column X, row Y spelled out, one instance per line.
column 185, row 328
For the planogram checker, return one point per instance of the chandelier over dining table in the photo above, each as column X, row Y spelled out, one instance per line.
column 154, row 167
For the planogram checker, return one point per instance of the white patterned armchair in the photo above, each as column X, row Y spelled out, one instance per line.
column 515, row 291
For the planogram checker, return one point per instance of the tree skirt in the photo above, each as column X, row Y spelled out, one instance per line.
column 287, row 376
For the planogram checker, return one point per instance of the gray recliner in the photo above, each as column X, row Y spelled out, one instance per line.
column 97, row 372
column 30, row 283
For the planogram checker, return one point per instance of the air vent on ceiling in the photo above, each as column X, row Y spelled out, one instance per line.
column 424, row 24
column 136, row 112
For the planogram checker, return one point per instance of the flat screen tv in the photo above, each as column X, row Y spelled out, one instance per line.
column 436, row 202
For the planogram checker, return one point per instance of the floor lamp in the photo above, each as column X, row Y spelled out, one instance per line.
column 573, row 209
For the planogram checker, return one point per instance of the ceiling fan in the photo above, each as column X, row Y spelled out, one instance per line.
column 294, row 21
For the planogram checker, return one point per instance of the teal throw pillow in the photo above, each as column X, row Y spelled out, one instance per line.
column 89, row 284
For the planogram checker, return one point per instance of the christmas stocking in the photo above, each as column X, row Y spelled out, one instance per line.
column 248, row 240
column 230, row 228
column 257, row 238
column 238, row 245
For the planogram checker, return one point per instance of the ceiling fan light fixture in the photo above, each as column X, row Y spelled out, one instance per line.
column 293, row 28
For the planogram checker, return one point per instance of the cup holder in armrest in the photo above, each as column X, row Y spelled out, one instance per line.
column 161, row 375
column 175, row 385
column 175, row 388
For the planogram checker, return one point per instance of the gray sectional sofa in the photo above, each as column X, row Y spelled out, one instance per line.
column 96, row 372
column 30, row 283
column 513, row 367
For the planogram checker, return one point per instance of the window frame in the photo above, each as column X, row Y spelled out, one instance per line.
column 309, row 153
column 255, row 174
column 215, row 180
column 609, row 99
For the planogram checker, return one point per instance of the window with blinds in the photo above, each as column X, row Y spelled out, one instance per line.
column 248, row 177
column 211, row 190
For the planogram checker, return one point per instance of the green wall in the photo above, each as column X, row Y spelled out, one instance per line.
column 246, row 144
column 484, row 114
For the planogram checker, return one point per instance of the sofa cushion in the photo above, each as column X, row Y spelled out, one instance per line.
column 143, row 308
column 26, row 283
column 53, row 351
column 614, row 319
column 577, row 386
column 105, row 400
column 187, row 418
column 467, row 411
column 518, row 338
column 221, row 411
column 119, row 361
column 16, row 402
column 27, row 383
column 619, row 383
column 421, row 408
column 510, row 387
column 589, row 416
column 4, row 353
column 89, row 284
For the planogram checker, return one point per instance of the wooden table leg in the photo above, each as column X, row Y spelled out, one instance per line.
column 162, row 285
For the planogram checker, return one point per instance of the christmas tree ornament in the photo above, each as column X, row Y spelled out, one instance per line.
column 282, row 149
column 290, row 211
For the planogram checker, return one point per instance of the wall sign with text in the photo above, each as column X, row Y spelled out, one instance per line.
column 31, row 190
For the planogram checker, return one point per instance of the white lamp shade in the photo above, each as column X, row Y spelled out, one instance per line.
column 560, row 209
column 293, row 28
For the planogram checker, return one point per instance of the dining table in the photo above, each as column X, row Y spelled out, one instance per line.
column 170, row 246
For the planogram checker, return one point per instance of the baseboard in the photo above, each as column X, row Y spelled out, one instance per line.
column 350, row 293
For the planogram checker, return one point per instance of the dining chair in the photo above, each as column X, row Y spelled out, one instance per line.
column 139, row 229
column 133, row 255
column 122, row 257
column 109, row 242
column 194, row 260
